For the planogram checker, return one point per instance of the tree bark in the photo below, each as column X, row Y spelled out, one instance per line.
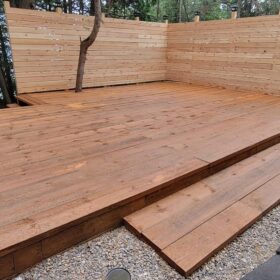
column 3, row 87
column 85, row 44
column 70, row 4
column 186, row 11
column 25, row 4
column 82, row 7
column 158, row 9
column 238, row 8
column 64, row 6
column 7, row 85
column 180, row 10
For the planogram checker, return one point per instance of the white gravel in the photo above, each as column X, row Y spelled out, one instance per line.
column 119, row 248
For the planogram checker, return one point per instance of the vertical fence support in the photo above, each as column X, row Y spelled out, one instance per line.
column 233, row 14
column 197, row 17
column 6, row 4
column 234, row 11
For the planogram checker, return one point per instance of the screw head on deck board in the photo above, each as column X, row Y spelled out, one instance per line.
column 118, row 274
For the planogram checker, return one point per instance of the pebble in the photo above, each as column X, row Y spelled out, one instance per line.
column 119, row 248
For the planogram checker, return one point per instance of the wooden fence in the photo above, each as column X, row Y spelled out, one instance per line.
column 46, row 49
column 239, row 53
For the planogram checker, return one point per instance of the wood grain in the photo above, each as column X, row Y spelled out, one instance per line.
column 83, row 162
column 46, row 50
column 239, row 54
column 190, row 226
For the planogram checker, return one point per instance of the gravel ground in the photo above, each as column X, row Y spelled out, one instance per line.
column 119, row 248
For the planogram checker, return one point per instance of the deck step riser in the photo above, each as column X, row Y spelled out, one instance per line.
column 86, row 228
column 112, row 151
column 190, row 226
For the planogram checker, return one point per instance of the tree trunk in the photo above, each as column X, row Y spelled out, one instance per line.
column 110, row 2
column 92, row 9
column 82, row 7
column 65, row 6
column 25, row 4
column 3, row 87
column 186, row 11
column 238, row 8
column 180, row 10
column 5, row 67
column 70, row 4
column 158, row 10
column 85, row 44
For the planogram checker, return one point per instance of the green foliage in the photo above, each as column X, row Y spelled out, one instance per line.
column 174, row 10
column 7, row 83
column 156, row 10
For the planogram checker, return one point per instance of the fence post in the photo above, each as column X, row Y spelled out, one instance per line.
column 234, row 15
column 59, row 10
column 197, row 17
column 234, row 11
column 6, row 4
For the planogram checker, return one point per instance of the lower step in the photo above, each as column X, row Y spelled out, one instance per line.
column 190, row 226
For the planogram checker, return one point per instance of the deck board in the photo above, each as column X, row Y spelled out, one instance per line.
column 191, row 225
column 81, row 162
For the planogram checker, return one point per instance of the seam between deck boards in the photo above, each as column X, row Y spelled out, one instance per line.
column 227, row 207
column 143, row 199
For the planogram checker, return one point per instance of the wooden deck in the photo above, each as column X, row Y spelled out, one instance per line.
column 190, row 226
column 74, row 166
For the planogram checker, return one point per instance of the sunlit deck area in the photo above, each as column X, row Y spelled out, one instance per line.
column 84, row 161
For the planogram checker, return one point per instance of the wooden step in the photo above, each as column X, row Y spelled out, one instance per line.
column 188, row 227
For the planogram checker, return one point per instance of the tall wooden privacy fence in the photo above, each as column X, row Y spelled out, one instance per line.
column 46, row 49
column 238, row 53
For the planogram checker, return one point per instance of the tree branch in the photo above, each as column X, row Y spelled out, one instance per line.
column 85, row 44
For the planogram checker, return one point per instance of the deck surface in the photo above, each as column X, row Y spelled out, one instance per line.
column 188, row 227
column 74, row 166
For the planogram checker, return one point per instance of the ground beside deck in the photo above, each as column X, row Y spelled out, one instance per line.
column 75, row 166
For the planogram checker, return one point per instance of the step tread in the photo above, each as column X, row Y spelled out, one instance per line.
column 211, row 212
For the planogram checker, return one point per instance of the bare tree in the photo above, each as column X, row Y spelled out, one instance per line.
column 85, row 44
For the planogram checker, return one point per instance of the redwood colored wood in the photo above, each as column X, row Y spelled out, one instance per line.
column 83, row 162
column 6, row 266
column 27, row 256
column 126, row 51
column 188, row 227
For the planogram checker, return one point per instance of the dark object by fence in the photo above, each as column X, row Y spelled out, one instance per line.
column 4, row 90
column 267, row 271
